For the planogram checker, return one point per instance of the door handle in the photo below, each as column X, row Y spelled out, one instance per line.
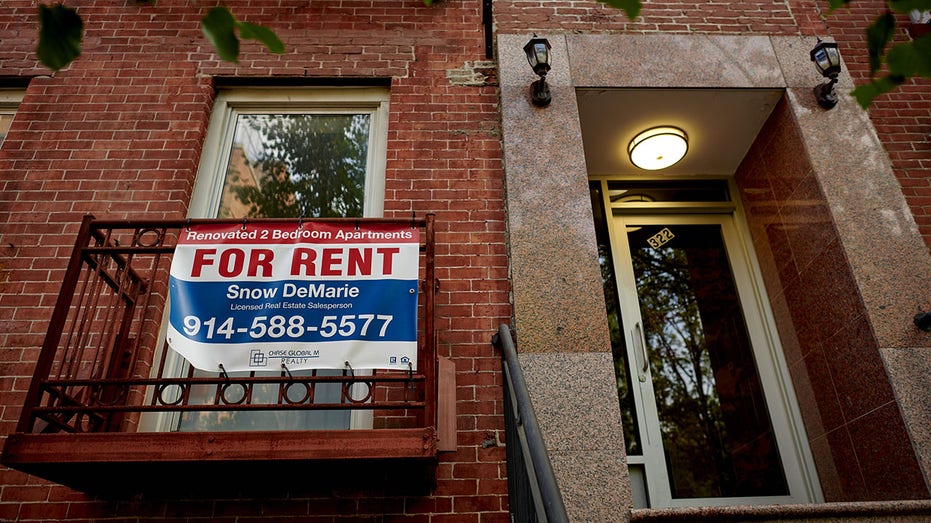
column 641, row 352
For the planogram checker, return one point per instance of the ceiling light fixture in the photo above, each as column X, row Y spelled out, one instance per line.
column 658, row 147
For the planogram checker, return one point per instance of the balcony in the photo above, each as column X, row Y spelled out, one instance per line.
column 103, row 410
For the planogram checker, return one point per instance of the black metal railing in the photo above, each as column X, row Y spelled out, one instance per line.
column 109, row 395
column 105, row 368
column 533, row 494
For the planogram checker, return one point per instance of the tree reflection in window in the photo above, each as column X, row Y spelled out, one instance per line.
column 291, row 165
column 717, row 436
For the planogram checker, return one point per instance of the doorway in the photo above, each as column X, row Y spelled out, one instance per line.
column 708, row 415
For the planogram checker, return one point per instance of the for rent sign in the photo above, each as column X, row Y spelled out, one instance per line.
column 314, row 296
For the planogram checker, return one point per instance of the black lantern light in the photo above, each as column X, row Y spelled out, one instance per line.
column 827, row 59
column 538, row 54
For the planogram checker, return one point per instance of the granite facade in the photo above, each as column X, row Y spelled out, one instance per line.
column 839, row 254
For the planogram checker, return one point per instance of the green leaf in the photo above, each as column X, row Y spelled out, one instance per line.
column 264, row 35
column 60, row 32
column 911, row 58
column 630, row 7
column 217, row 26
column 835, row 4
column 904, row 6
column 877, row 36
column 866, row 93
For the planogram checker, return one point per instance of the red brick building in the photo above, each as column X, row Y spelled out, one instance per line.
column 758, row 360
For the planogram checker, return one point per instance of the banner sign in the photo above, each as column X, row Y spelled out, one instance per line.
column 256, row 296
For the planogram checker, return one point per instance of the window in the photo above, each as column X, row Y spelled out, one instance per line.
column 290, row 153
column 709, row 417
column 287, row 154
column 9, row 101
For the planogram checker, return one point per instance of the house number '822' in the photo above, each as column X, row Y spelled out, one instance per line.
column 661, row 238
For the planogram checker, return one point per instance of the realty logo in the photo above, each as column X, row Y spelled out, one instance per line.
column 257, row 358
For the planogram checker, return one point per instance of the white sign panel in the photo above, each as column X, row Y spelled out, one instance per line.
column 254, row 297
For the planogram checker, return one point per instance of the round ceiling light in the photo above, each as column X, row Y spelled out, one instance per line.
column 658, row 148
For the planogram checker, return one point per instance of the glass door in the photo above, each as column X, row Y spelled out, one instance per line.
column 706, row 418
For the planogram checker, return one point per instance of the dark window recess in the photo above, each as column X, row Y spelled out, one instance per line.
column 677, row 191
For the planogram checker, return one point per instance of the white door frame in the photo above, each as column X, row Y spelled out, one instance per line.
column 798, row 464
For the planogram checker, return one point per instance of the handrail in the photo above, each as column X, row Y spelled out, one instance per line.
column 545, row 502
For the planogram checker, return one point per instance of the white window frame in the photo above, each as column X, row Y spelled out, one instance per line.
column 9, row 102
column 211, row 175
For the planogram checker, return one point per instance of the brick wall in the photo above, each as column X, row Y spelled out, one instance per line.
column 119, row 135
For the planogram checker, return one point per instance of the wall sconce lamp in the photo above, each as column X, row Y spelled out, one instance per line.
column 827, row 59
column 538, row 54
column 923, row 321
column 658, row 147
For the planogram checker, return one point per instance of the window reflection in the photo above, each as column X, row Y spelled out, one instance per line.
column 715, row 425
column 291, row 165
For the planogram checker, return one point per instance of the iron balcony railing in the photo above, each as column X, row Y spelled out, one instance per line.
column 105, row 375
column 533, row 494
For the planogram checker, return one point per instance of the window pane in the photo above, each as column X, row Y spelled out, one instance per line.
column 5, row 121
column 674, row 191
column 267, row 420
column 715, row 425
column 291, row 165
